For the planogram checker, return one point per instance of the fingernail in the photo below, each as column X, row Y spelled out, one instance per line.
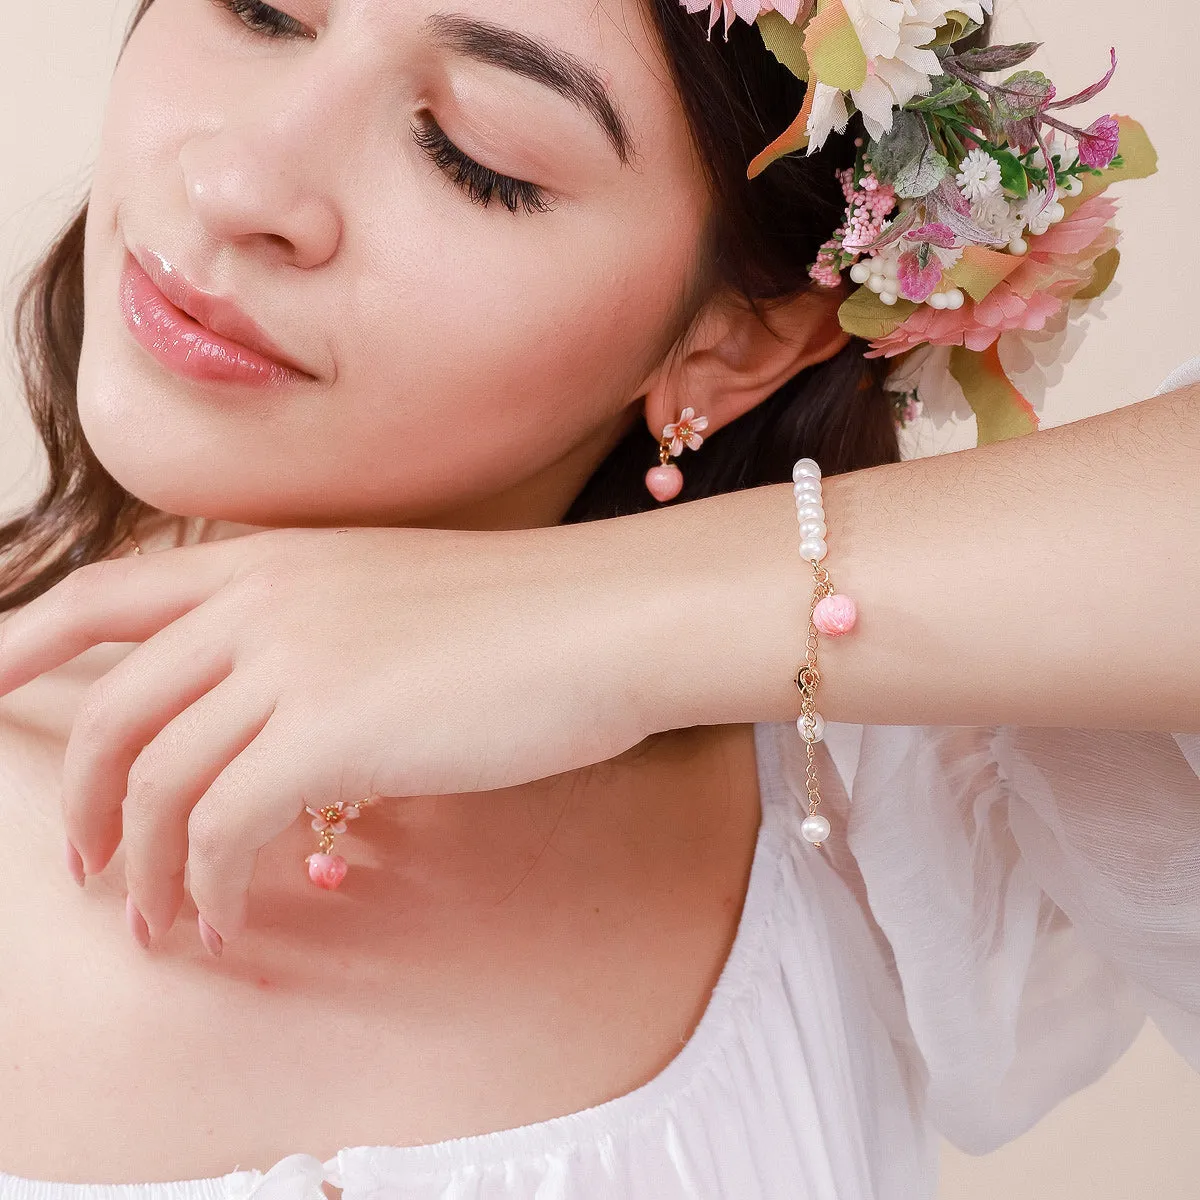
column 137, row 923
column 75, row 864
column 210, row 937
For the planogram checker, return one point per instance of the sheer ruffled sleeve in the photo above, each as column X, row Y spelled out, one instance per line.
column 1038, row 892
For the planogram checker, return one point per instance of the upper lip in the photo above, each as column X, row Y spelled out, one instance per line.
column 220, row 314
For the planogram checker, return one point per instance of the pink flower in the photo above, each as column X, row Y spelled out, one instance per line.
column 748, row 10
column 1058, row 264
column 1098, row 146
column 685, row 431
column 332, row 817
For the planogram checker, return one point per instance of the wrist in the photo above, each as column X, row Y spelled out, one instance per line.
column 714, row 599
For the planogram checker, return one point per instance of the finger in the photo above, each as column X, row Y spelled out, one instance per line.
column 123, row 711
column 254, row 799
column 117, row 600
column 168, row 778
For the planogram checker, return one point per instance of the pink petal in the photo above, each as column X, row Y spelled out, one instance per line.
column 695, row 441
column 700, row 424
column 676, row 446
column 915, row 283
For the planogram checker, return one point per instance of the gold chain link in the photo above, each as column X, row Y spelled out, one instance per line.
column 807, row 678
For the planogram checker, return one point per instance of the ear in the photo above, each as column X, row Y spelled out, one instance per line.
column 730, row 361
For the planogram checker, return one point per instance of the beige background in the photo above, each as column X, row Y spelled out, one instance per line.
column 1134, row 1133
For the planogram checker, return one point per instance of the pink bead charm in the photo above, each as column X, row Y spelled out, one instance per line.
column 326, row 870
column 835, row 615
column 665, row 481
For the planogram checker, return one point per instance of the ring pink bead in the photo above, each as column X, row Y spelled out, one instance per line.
column 835, row 615
column 326, row 870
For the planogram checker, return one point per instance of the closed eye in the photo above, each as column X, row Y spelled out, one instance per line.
column 262, row 18
column 479, row 182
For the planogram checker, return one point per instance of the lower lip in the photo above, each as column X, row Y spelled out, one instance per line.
column 187, row 347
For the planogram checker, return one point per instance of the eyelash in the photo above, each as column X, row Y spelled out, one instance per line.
column 480, row 183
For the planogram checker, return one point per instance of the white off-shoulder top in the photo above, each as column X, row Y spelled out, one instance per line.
column 995, row 914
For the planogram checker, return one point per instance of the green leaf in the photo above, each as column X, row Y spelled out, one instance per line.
column 952, row 93
column 865, row 315
column 996, row 58
column 1022, row 95
column 1012, row 173
column 905, row 157
column 1000, row 410
column 784, row 40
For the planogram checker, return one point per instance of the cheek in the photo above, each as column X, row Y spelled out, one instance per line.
column 496, row 349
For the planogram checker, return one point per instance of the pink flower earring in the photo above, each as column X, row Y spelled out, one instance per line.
column 666, row 480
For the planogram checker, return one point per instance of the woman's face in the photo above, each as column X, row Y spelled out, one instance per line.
column 470, row 365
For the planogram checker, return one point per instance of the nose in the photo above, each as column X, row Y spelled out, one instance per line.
column 257, row 178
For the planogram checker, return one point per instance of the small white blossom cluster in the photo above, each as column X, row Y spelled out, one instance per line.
column 1005, row 216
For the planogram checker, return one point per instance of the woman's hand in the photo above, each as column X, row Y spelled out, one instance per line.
column 304, row 666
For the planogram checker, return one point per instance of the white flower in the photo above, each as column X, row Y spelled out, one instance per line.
column 1028, row 211
column 895, row 37
column 978, row 175
column 996, row 215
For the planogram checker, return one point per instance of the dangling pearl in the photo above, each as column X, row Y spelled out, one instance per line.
column 814, row 828
column 818, row 727
column 664, row 481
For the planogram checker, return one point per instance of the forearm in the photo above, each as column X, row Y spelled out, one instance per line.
column 1052, row 579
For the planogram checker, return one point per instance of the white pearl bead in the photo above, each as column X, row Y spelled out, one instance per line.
column 888, row 298
column 813, row 548
column 818, row 728
column 1073, row 186
column 955, row 298
column 860, row 272
column 814, row 828
column 937, row 300
column 807, row 487
column 1018, row 246
column 810, row 512
column 813, row 529
column 877, row 283
column 805, row 468
column 1055, row 213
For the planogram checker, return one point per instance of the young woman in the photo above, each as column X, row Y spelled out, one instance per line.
column 633, row 976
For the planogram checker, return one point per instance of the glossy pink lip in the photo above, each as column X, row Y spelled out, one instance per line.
column 195, row 333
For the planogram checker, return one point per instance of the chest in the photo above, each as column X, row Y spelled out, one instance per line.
column 408, row 1009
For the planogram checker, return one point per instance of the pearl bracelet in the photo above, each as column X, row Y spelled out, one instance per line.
column 830, row 613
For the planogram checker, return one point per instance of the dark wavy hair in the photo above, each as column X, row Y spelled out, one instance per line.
column 762, row 235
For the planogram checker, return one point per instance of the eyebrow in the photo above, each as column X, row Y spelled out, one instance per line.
column 555, row 68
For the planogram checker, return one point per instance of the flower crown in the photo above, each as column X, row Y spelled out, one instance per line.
column 974, row 214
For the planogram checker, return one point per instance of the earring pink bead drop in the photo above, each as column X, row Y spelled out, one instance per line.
column 665, row 481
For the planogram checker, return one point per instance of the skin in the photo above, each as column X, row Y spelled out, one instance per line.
column 504, row 354
column 283, row 171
